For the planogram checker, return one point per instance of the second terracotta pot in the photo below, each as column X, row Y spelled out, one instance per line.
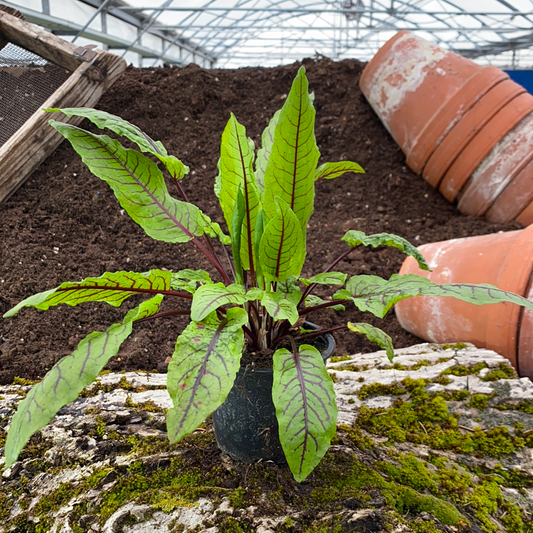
column 501, row 259
column 410, row 81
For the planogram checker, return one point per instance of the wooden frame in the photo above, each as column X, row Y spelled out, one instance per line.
column 93, row 72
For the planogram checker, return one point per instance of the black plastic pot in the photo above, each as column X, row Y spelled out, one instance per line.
column 245, row 425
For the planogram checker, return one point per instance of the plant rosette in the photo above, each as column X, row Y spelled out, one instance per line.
column 260, row 302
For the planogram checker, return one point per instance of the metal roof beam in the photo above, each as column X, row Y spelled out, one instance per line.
column 304, row 11
column 65, row 27
column 505, row 29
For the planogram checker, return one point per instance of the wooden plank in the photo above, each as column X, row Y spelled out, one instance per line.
column 40, row 42
column 34, row 141
column 15, row 13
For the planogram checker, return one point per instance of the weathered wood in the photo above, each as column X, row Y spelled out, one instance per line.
column 40, row 42
column 35, row 140
column 10, row 11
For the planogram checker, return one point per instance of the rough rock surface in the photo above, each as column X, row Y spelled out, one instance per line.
column 440, row 441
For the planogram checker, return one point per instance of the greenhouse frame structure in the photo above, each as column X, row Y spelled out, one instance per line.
column 235, row 33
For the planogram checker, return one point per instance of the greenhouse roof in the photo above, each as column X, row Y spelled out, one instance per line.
column 234, row 33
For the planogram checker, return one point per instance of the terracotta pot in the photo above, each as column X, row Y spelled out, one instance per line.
column 449, row 115
column 501, row 259
column 526, row 216
column 482, row 143
column 505, row 161
column 515, row 198
column 466, row 129
column 409, row 81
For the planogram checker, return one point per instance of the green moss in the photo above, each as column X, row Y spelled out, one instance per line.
column 479, row 401
column 410, row 471
column 512, row 518
column 504, row 371
column 425, row 419
column 377, row 389
column 4, row 510
column 424, row 526
column 237, row 498
column 352, row 368
column 461, row 370
column 149, row 406
column 420, row 364
column 514, row 477
column 56, row 499
column 524, row 406
column 339, row 358
column 357, row 437
column 456, row 346
column 442, row 380
column 24, row 382
column 407, row 501
column 454, row 484
column 455, row 395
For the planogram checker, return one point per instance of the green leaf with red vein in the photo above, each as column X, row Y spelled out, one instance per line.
column 112, row 288
column 377, row 295
column 355, row 238
column 188, row 279
column 374, row 334
column 122, row 127
column 209, row 298
column 312, row 300
column 329, row 171
column 290, row 172
column 282, row 247
column 281, row 305
column 326, row 278
column 236, row 172
column 67, row 378
column 305, row 407
column 138, row 184
column 263, row 155
column 202, row 370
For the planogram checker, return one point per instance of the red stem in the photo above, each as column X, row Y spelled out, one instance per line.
column 309, row 289
column 208, row 249
column 323, row 306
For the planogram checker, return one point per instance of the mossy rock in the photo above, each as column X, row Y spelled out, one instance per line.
column 419, row 465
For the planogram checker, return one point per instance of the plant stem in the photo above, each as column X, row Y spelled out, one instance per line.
column 213, row 259
column 323, row 306
column 309, row 289
column 208, row 250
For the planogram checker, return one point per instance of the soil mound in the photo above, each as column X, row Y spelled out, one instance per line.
column 65, row 224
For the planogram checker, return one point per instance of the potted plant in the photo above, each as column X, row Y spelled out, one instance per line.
column 260, row 304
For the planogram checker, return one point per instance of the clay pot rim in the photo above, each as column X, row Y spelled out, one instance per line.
column 450, row 113
column 490, row 214
column 468, row 197
column 482, row 143
column 464, row 131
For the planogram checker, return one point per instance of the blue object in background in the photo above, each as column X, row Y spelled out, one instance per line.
column 522, row 77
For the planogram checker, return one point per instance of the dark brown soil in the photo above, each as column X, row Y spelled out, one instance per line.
column 64, row 224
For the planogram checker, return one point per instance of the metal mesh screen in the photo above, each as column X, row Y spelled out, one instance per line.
column 26, row 81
